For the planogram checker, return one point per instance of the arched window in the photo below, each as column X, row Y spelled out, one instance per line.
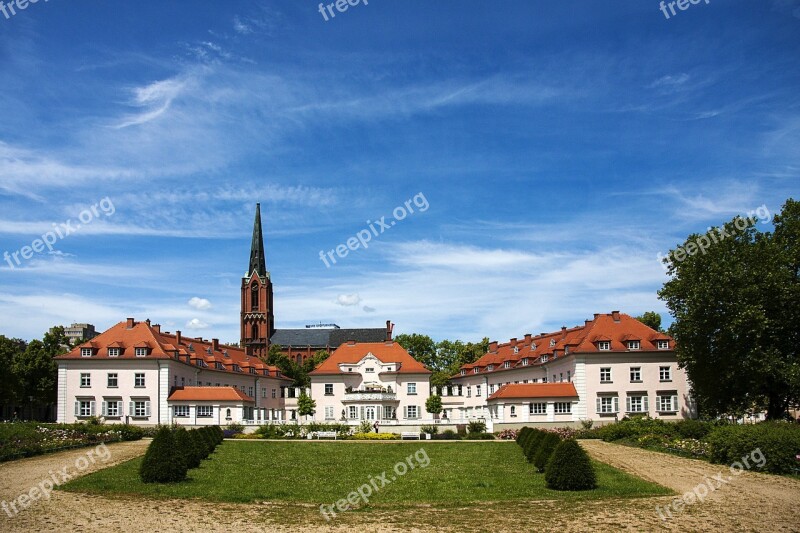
column 299, row 359
column 227, row 413
column 254, row 297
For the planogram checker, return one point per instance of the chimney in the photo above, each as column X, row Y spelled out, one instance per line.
column 157, row 327
column 493, row 347
column 587, row 322
column 147, row 322
column 563, row 332
column 596, row 315
column 527, row 338
column 615, row 314
column 131, row 323
column 513, row 342
column 178, row 337
column 389, row 328
column 215, row 345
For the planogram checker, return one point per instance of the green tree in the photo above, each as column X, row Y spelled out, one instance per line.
column 35, row 369
column 433, row 404
column 420, row 347
column 736, row 307
column 10, row 349
column 305, row 405
column 651, row 319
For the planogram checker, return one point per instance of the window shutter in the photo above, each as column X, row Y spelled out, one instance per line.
column 131, row 409
column 645, row 403
column 92, row 405
column 146, row 408
column 628, row 404
column 77, row 408
column 599, row 405
column 616, row 404
column 104, row 408
column 675, row 403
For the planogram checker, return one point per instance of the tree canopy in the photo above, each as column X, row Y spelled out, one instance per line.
column 443, row 358
column 736, row 303
column 651, row 319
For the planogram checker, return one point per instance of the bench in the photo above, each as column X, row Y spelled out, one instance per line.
column 326, row 435
column 409, row 435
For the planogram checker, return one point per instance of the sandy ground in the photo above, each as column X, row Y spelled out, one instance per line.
column 745, row 502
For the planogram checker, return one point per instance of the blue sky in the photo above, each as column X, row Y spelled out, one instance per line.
column 559, row 146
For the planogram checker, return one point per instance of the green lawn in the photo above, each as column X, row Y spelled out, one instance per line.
column 250, row 471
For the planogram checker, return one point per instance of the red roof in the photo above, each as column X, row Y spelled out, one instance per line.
column 535, row 390
column 128, row 335
column 205, row 394
column 386, row 352
column 615, row 327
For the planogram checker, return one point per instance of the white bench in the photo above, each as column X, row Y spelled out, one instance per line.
column 326, row 435
column 409, row 435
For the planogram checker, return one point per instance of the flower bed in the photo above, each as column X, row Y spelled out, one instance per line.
column 24, row 439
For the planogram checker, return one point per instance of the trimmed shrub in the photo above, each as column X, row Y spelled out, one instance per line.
column 481, row 436
column 693, row 429
column 569, row 468
column 129, row 432
column 375, row 436
column 547, row 444
column 447, row 434
column 532, row 444
column 476, row 426
column 163, row 462
column 768, row 446
column 200, row 443
column 521, row 434
column 188, row 447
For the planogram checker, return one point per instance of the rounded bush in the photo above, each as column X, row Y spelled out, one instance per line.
column 768, row 446
column 569, row 468
column 547, row 444
column 163, row 461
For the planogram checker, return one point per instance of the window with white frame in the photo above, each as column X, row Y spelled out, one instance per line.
column 84, row 408
column 352, row 412
column 562, row 408
column 139, row 408
column 411, row 388
column 86, row 352
column 544, row 358
column 112, row 408
column 667, row 403
column 490, row 368
column 491, row 389
column 412, row 411
column 469, row 391
column 537, row 408
column 507, row 364
column 181, row 411
column 463, row 372
column 329, row 389
column 634, row 345
column 113, row 380
column 388, row 412
column 608, row 404
column 263, row 391
column 513, row 411
column 249, row 391
column 205, row 411
column 113, row 352
column 637, row 403
column 665, row 373
column 86, row 380
column 477, row 390
column 604, row 345
column 475, row 370
column 636, row 374
column 138, row 380
column 662, row 345
column 329, row 412
column 524, row 361
column 605, row 375
column 369, row 370
column 141, row 352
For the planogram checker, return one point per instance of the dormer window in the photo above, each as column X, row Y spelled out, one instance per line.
column 533, row 346
column 141, row 352
column 634, row 345
column 566, row 350
column 87, row 352
column 237, row 368
column 604, row 345
column 113, row 352
column 525, row 362
column 662, row 345
column 516, row 349
column 490, row 368
column 476, row 370
column 552, row 342
column 219, row 366
column 544, row 358
column 507, row 364
column 463, row 372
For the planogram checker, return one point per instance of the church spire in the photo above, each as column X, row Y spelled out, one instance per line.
column 258, row 262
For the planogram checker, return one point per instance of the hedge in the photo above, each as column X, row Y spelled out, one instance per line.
column 768, row 446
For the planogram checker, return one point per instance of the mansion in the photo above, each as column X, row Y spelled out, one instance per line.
column 609, row 367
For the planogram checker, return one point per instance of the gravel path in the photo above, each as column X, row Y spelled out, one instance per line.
column 745, row 502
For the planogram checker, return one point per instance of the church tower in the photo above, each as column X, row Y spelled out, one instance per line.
column 257, row 321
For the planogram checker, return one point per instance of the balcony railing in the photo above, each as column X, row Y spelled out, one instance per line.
column 364, row 396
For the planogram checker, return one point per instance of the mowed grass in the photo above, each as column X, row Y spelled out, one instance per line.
column 323, row 472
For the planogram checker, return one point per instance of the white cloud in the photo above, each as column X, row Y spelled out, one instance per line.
column 348, row 299
column 155, row 99
column 200, row 304
column 196, row 323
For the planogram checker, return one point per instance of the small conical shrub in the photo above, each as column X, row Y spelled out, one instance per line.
column 532, row 446
column 220, row 434
column 200, row 443
column 210, row 442
column 547, row 444
column 521, row 434
column 188, row 447
column 570, row 468
column 163, row 461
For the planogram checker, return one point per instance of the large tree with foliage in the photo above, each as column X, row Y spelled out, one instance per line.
column 298, row 372
column 10, row 350
column 443, row 358
column 651, row 319
column 35, row 368
column 737, row 308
